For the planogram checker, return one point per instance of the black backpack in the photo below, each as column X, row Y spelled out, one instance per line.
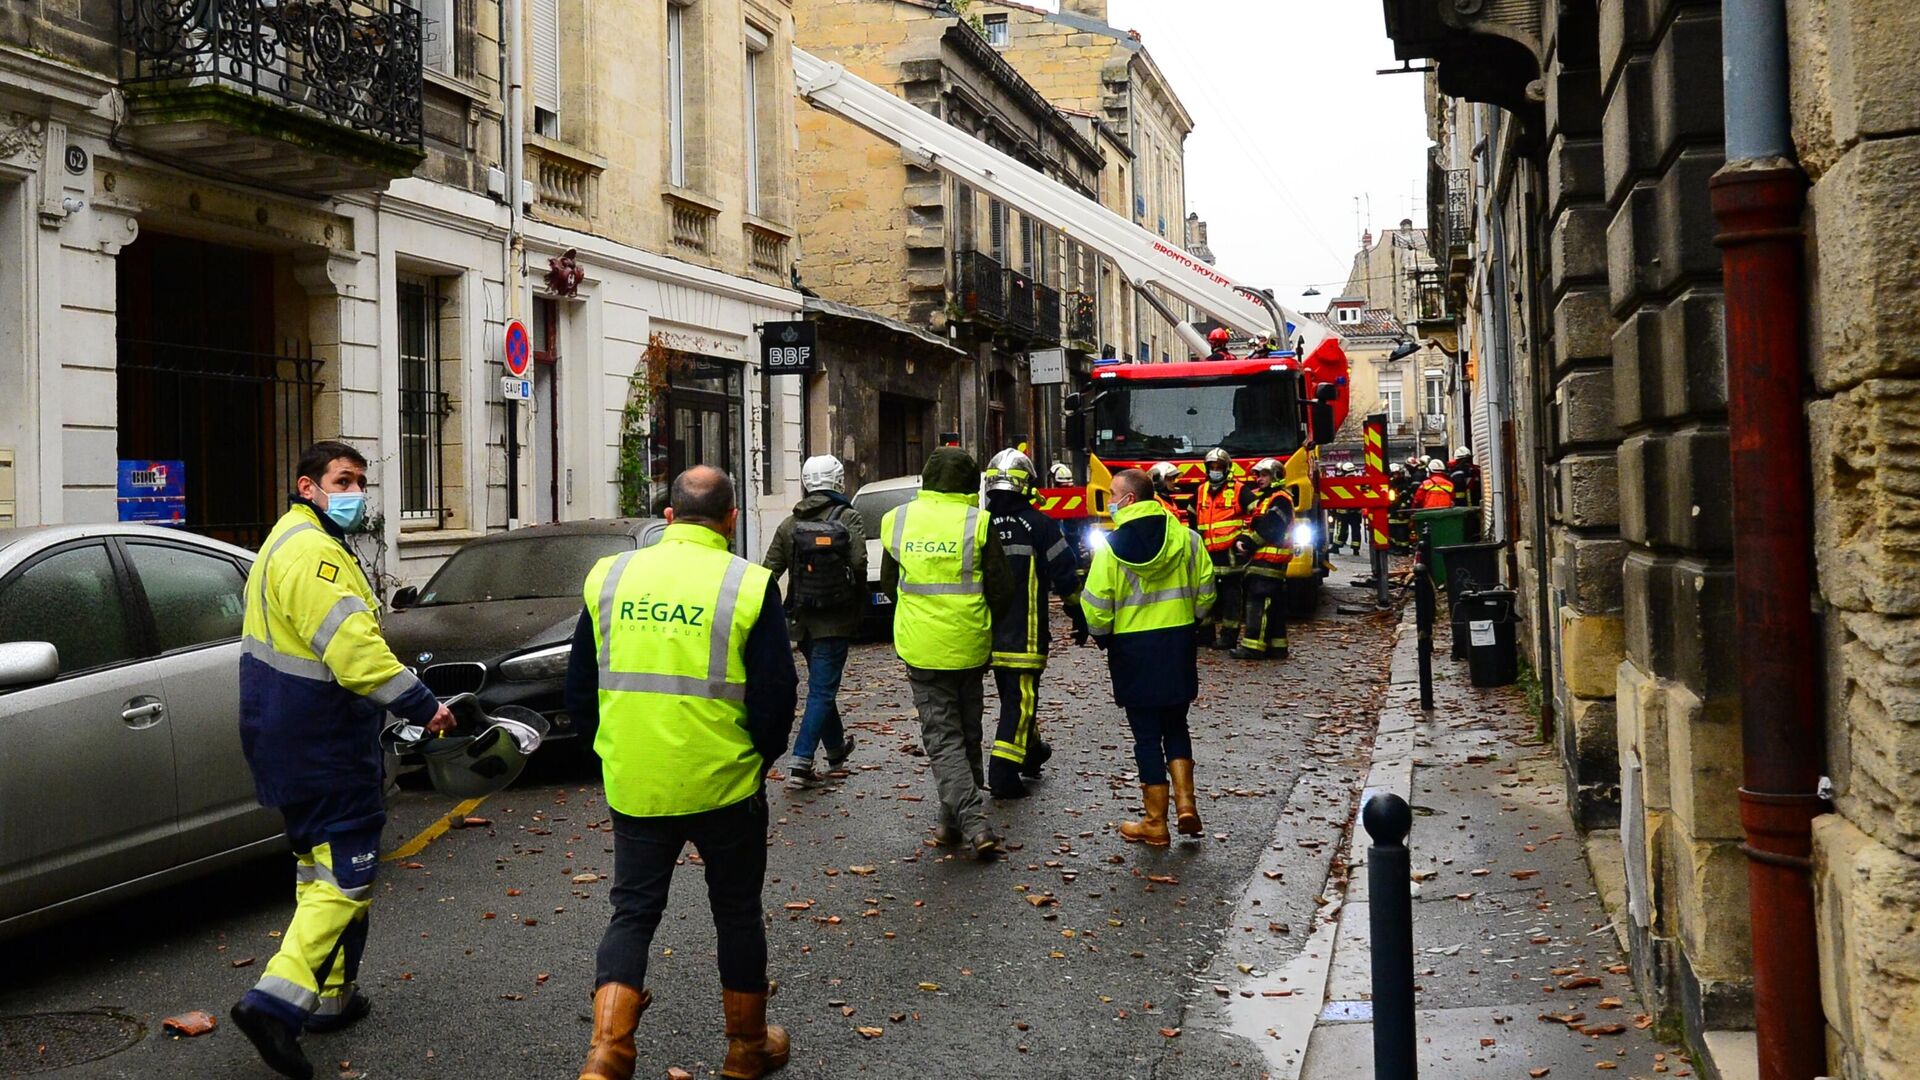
column 822, row 564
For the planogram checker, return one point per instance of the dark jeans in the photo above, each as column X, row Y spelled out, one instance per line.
column 826, row 660
column 732, row 842
column 1159, row 736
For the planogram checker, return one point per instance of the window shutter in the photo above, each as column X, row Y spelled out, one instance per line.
column 546, row 55
column 997, row 218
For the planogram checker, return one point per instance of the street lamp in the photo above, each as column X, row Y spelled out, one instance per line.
column 1404, row 350
column 1311, row 291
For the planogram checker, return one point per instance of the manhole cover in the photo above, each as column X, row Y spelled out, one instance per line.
column 38, row 1042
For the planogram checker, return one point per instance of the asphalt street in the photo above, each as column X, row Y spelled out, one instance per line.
column 1075, row 955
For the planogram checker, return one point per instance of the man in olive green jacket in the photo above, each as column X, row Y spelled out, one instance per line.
column 824, row 615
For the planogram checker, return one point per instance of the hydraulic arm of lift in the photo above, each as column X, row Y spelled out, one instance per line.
column 1145, row 259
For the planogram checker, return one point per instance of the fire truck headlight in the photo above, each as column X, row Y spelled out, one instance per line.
column 1096, row 538
column 1302, row 535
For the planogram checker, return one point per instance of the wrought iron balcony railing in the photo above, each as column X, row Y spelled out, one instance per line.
column 1429, row 294
column 1020, row 302
column 980, row 286
column 1046, row 314
column 1449, row 212
column 354, row 63
column 1082, row 319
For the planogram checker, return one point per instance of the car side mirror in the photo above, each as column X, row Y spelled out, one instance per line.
column 405, row 598
column 1322, row 417
column 24, row 663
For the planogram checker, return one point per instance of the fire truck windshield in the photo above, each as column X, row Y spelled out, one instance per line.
column 1144, row 421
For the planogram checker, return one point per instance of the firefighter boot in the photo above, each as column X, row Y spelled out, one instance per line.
column 754, row 1047
column 1037, row 755
column 1229, row 637
column 1152, row 826
column 616, row 1016
column 1186, row 813
column 1003, row 779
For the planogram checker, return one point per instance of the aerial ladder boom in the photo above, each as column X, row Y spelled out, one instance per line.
column 1145, row 259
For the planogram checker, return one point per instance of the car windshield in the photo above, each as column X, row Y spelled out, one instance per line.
column 537, row 567
column 1157, row 420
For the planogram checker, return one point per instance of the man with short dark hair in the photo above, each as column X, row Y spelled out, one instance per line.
column 682, row 652
column 317, row 681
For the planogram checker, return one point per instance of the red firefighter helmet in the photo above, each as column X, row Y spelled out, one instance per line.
column 1218, row 336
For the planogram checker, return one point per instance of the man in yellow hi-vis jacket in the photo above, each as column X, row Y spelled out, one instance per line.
column 316, row 684
column 1150, row 586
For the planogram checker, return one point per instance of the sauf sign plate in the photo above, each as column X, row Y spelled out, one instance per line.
column 788, row 348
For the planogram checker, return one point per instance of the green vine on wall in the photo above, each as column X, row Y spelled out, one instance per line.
column 657, row 365
column 964, row 9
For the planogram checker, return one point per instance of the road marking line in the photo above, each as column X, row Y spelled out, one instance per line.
column 432, row 832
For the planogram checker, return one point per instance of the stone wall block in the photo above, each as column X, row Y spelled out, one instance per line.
column 1583, row 409
column 1589, row 571
column 1875, row 79
column 1637, row 363
column 1576, row 247
column 1682, row 246
column 1589, row 490
column 1866, row 227
column 1694, row 479
column 1590, row 651
column 1642, row 730
column 1625, row 26
column 1693, row 373
column 1573, row 100
column 1705, row 757
column 1869, row 950
column 1686, row 84
column 1880, row 667
column 1705, row 655
column 1866, row 474
column 1576, row 171
column 1640, row 510
column 1635, row 226
column 1628, row 128
column 1582, row 327
column 1707, row 886
column 1589, row 745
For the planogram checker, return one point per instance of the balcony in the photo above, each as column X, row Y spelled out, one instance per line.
column 690, row 222
column 980, row 287
column 566, row 182
column 1082, row 321
column 1046, row 314
column 322, row 96
column 1021, row 303
column 767, row 252
column 1449, row 213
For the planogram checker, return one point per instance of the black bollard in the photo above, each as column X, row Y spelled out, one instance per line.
column 1388, row 818
column 1423, row 604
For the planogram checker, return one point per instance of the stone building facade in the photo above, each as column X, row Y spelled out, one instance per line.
column 911, row 245
column 1077, row 61
column 1588, row 286
column 217, row 254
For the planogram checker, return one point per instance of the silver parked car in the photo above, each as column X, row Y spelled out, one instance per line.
column 120, row 762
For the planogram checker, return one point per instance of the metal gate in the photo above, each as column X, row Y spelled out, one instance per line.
column 238, row 420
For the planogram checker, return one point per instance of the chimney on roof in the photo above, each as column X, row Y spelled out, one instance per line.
column 1366, row 240
column 1092, row 9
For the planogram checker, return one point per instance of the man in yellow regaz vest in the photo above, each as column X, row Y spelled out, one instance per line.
column 944, row 565
column 683, row 654
column 317, row 682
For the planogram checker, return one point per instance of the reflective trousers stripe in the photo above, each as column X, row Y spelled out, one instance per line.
column 288, row 991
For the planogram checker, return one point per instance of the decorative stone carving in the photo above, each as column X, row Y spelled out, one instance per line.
column 21, row 138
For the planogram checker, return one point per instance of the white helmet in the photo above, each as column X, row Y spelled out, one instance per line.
column 1163, row 474
column 1062, row 474
column 1267, row 467
column 822, row 472
column 1010, row 470
column 1463, row 451
column 1397, row 468
column 1434, row 464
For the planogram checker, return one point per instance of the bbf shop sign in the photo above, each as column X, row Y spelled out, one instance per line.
column 787, row 348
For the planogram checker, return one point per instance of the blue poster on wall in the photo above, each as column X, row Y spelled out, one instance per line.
column 153, row 492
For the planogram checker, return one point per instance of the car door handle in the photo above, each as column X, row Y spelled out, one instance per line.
column 145, row 709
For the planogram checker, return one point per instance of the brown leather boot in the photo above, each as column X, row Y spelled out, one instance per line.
column 616, row 1015
column 1186, row 813
column 1152, row 828
column 754, row 1047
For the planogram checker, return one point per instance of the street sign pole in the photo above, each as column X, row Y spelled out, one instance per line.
column 517, row 355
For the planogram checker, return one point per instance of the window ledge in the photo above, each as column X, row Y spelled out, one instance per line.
column 429, row 537
column 455, row 85
column 565, row 150
column 697, row 200
column 768, row 225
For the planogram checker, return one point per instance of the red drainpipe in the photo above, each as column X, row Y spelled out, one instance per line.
column 1758, row 207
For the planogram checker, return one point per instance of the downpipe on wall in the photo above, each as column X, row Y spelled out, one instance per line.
column 1759, row 198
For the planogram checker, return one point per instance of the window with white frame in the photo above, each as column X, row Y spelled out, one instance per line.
column 1436, row 397
column 1391, row 399
column 545, row 57
column 996, row 29
column 437, row 29
column 757, row 44
column 676, row 95
column 423, row 404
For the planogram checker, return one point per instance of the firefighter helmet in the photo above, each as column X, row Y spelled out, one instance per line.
column 480, row 754
column 1010, row 470
column 1218, row 336
column 1268, row 469
column 1463, row 451
column 1219, row 465
column 1062, row 474
column 1163, row 474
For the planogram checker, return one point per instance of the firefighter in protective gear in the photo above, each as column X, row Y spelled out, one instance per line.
column 1165, row 475
column 1219, row 516
column 1149, row 586
column 681, row 650
column 944, row 564
column 1436, row 491
column 317, row 681
column 1038, row 558
column 1267, row 544
column 1217, row 338
column 1062, row 474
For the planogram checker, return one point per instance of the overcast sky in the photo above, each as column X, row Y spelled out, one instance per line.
column 1290, row 124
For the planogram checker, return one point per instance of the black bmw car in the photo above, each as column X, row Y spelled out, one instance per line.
column 497, row 620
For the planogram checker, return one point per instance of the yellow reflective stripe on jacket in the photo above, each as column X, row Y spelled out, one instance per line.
column 312, row 613
column 670, row 626
column 941, row 622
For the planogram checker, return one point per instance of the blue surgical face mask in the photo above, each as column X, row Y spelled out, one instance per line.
column 346, row 509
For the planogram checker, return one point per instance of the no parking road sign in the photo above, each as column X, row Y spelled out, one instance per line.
column 519, row 352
